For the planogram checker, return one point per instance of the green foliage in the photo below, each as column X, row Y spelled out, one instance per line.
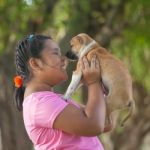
column 134, row 50
column 74, row 16
column 77, row 95
column 69, row 17
column 134, row 45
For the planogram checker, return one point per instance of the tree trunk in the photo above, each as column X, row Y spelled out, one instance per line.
column 13, row 134
column 12, row 130
column 132, row 135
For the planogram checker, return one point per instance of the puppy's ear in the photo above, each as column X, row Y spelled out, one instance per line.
column 80, row 39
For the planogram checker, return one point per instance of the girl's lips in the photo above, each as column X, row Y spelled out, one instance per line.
column 63, row 66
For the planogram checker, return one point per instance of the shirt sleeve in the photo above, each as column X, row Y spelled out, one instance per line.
column 48, row 108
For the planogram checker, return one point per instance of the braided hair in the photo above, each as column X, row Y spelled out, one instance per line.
column 29, row 47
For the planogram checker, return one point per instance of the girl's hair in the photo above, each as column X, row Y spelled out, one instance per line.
column 29, row 47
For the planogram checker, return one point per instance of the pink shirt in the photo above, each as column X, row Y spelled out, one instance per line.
column 39, row 112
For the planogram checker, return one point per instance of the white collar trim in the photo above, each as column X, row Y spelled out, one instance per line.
column 85, row 50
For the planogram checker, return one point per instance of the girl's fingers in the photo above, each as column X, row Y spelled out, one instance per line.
column 81, row 64
column 93, row 62
column 85, row 63
column 97, row 65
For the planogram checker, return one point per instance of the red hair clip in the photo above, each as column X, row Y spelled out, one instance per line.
column 18, row 81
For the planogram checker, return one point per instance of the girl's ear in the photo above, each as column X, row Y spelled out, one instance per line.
column 35, row 64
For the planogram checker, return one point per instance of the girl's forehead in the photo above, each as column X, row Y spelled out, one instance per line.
column 52, row 45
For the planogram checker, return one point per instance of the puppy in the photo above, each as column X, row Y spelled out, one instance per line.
column 115, row 75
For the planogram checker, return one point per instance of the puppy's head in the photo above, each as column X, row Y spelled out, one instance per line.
column 78, row 43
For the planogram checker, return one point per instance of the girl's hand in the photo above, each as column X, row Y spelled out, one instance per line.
column 108, row 128
column 88, row 120
column 91, row 71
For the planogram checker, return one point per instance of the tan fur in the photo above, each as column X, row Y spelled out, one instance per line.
column 115, row 75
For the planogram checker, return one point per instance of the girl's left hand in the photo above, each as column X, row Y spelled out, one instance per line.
column 108, row 128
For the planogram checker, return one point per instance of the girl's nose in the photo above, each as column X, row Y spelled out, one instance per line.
column 63, row 58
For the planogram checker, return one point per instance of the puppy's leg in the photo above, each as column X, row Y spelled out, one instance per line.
column 129, row 111
column 76, row 77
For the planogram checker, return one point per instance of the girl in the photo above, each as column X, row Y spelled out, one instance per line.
column 51, row 122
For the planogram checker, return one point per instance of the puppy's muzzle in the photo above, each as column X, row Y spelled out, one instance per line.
column 71, row 55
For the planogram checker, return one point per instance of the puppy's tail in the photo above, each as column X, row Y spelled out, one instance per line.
column 130, row 107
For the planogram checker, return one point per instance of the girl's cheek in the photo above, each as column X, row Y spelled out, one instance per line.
column 59, row 60
column 55, row 60
column 56, row 63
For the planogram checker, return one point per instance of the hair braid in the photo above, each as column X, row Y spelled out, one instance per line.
column 22, row 59
column 27, row 48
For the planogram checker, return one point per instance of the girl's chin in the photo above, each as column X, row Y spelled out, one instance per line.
column 65, row 78
column 64, row 75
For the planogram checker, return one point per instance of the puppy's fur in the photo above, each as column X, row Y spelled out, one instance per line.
column 115, row 75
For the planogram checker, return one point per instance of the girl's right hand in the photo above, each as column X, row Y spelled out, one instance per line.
column 89, row 120
column 91, row 71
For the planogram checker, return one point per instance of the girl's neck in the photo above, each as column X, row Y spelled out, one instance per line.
column 33, row 87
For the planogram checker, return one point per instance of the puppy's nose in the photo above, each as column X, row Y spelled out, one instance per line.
column 71, row 55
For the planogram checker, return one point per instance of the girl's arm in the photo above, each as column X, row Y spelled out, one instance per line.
column 107, row 128
column 90, row 120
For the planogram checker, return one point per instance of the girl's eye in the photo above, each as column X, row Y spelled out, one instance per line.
column 56, row 53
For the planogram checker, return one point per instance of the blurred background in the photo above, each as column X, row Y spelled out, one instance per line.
column 122, row 26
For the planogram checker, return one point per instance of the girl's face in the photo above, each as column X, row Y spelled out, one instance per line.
column 53, row 64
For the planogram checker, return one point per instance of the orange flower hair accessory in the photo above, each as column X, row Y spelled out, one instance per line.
column 18, row 81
